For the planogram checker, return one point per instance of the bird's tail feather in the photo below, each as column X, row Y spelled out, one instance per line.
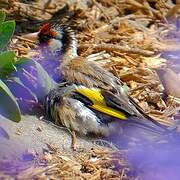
column 147, row 124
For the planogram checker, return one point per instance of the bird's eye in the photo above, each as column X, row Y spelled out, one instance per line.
column 43, row 38
column 46, row 37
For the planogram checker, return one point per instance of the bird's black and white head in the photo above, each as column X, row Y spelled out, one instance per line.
column 56, row 39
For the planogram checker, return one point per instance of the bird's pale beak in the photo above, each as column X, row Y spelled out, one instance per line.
column 31, row 36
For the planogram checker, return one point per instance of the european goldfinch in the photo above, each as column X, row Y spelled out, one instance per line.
column 95, row 97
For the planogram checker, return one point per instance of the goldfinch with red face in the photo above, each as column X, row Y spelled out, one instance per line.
column 95, row 100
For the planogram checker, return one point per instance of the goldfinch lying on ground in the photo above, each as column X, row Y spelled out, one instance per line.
column 90, row 105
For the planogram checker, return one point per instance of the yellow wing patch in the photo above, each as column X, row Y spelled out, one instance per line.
column 99, row 103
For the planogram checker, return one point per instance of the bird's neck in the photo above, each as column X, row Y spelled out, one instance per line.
column 70, row 53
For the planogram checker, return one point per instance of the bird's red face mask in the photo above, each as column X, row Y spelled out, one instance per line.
column 49, row 39
column 46, row 34
column 56, row 39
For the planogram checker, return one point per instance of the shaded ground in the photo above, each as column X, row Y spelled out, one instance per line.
column 33, row 134
column 37, row 150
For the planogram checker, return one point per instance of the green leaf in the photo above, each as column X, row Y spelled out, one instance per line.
column 45, row 82
column 6, row 63
column 21, row 60
column 2, row 16
column 6, row 31
column 20, row 90
column 8, row 104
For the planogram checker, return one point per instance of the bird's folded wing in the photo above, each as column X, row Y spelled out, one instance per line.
column 98, row 102
column 107, row 103
column 131, row 108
